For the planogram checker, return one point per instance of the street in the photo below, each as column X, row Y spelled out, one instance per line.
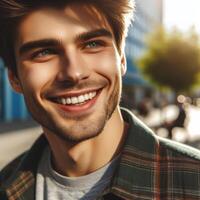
column 14, row 143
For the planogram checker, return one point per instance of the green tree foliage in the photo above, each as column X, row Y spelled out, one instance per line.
column 172, row 59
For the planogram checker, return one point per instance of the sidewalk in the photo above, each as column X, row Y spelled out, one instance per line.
column 16, row 125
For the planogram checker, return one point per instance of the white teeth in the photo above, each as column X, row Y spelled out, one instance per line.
column 86, row 96
column 68, row 101
column 90, row 95
column 63, row 101
column 94, row 94
column 74, row 100
column 81, row 99
column 77, row 100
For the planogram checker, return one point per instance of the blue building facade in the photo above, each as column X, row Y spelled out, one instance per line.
column 148, row 16
column 12, row 106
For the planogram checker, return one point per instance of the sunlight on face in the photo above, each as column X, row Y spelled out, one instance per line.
column 70, row 74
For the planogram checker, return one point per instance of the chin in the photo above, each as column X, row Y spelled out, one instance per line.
column 80, row 133
column 77, row 130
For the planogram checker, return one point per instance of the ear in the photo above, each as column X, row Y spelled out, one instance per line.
column 14, row 82
column 123, row 64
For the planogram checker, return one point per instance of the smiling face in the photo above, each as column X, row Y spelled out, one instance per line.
column 69, row 70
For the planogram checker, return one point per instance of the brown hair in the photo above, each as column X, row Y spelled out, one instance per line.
column 117, row 12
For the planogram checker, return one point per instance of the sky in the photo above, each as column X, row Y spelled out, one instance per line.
column 182, row 13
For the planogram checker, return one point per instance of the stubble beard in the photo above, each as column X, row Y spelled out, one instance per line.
column 83, row 128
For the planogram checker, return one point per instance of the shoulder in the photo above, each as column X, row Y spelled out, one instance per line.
column 174, row 149
column 169, row 168
column 8, row 170
column 26, row 162
column 143, row 139
column 178, row 167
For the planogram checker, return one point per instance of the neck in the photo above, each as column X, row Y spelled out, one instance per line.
column 87, row 156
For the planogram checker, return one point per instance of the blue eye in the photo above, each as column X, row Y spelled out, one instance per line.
column 43, row 53
column 92, row 44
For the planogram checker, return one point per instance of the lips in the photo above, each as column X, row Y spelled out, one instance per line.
column 76, row 102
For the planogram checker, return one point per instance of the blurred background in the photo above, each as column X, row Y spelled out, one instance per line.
column 161, row 86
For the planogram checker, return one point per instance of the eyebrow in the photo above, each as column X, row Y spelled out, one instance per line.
column 54, row 42
column 38, row 44
column 94, row 33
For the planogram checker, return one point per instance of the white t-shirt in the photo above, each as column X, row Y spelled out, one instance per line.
column 51, row 185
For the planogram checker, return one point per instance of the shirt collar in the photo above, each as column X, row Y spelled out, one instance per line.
column 137, row 170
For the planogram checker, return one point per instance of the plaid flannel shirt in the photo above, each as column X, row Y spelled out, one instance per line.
column 151, row 168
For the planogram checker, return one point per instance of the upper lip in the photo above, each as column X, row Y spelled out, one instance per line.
column 73, row 93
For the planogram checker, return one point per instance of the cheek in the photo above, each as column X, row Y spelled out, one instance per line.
column 106, row 64
column 35, row 77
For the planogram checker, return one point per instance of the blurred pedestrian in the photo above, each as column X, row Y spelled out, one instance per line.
column 179, row 121
column 143, row 107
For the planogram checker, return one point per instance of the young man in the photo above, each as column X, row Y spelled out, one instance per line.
column 67, row 59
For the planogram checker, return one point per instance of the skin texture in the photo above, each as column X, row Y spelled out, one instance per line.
column 72, row 62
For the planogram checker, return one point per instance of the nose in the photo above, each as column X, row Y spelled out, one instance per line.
column 73, row 68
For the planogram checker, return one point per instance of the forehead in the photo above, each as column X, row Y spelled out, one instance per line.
column 69, row 19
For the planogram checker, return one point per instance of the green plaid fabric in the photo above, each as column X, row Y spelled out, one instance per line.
column 151, row 168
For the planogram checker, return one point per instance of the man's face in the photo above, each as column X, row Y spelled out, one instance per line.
column 69, row 70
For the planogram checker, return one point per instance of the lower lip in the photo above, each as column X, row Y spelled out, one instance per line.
column 81, row 107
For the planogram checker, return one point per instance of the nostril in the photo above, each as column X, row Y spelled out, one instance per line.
column 72, row 75
column 73, row 67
